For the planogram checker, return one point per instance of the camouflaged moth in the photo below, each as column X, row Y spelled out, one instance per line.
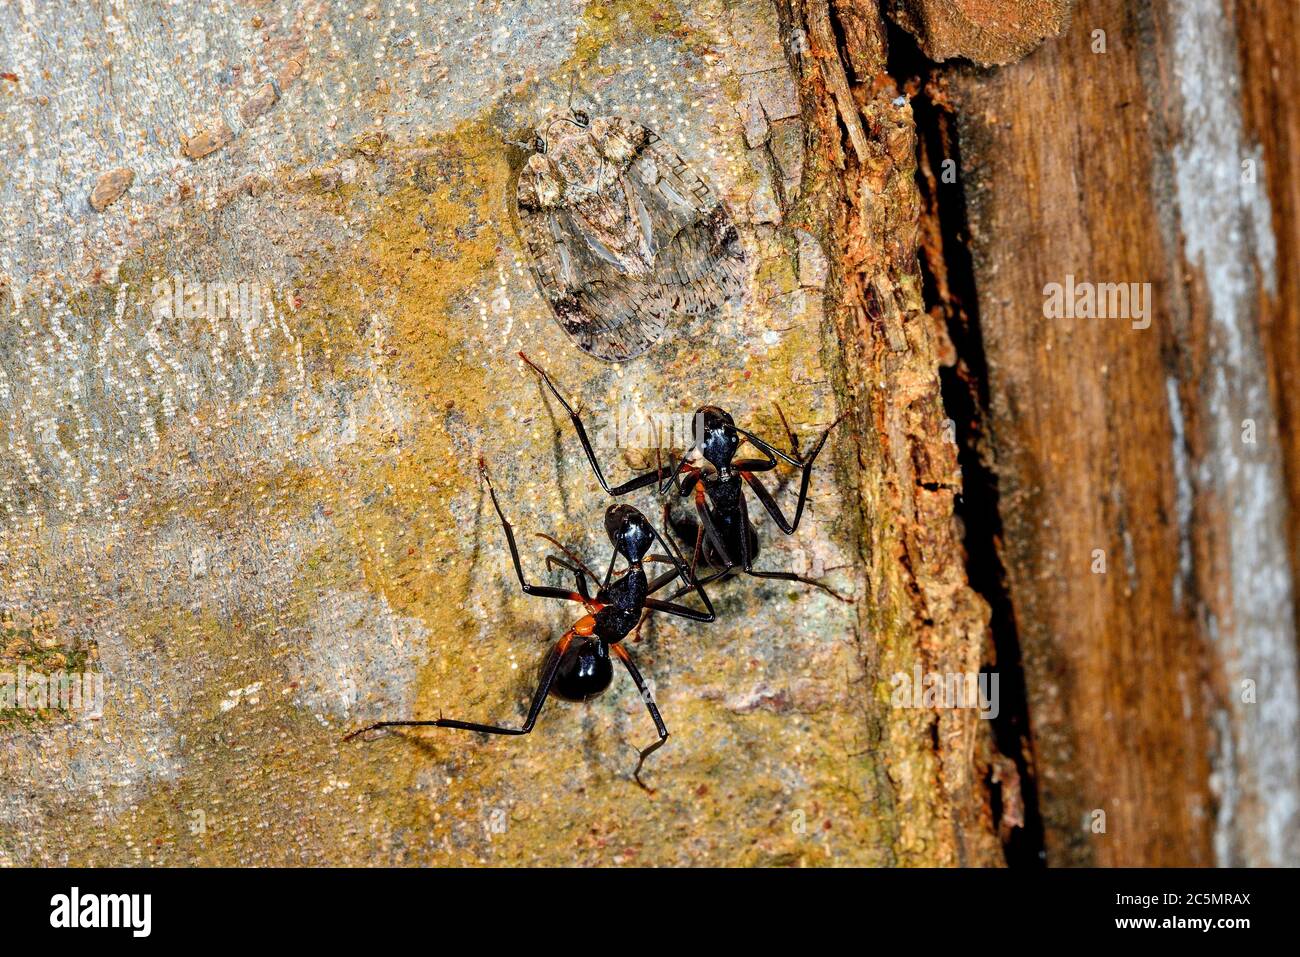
column 623, row 234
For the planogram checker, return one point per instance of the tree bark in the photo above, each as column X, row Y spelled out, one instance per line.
column 264, row 533
column 861, row 196
column 1144, row 477
column 266, row 529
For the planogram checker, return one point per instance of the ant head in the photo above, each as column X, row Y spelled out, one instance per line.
column 716, row 435
column 629, row 531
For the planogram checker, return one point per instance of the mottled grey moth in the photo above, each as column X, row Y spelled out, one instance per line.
column 623, row 234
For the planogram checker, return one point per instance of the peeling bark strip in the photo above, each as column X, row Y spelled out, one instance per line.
column 860, row 198
column 988, row 32
column 826, row 51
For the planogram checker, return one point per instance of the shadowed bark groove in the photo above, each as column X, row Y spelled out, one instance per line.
column 952, row 298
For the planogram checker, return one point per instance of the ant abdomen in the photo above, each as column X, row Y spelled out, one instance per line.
column 585, row 670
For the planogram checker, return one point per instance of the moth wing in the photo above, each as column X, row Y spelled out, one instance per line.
column 594, row 303
column 699, row 262
column 611, row 319
column 671, row 192
column 606, row 315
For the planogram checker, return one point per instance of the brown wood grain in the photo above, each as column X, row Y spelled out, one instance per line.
column 1269, row 44
column 1122, row 442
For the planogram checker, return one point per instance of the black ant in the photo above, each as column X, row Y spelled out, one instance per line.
column 578, row 667
column 722, row 533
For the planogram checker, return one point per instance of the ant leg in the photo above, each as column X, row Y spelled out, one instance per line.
column 732, row 570
column 796, row 459
column 808, row 466
column 691, row 582
column 782, row 479
column 699, row 538
column 729, row 572
column 539, row 698
column 541, row 591
column 609, row 572
column 569, row 554
column 789, row 432
column 581, row 571
column 661, row 581
column 792, row 577
column 768, row 502
column 706, row 523
column 704, row 527
column 755, row 465
column 389, row 724
column 640, row 481
column 625, row 657
column 805, row 466
column 578, row 577
column 698, row 549
column 747, row 566
column 682, row 611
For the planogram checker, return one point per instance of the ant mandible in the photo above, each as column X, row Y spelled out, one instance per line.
column 723, row 535
column 578, row 667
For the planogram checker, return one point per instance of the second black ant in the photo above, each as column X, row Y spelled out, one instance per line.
column 719, row 531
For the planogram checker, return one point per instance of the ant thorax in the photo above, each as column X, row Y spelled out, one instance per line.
column 709, row 472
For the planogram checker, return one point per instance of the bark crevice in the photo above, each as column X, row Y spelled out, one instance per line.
column 918, row 612
column 950, row 297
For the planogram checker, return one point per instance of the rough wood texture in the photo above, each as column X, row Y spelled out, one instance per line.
column 922, row 610
column 1134, row 445
column 1269, row 44
column 982, row 31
